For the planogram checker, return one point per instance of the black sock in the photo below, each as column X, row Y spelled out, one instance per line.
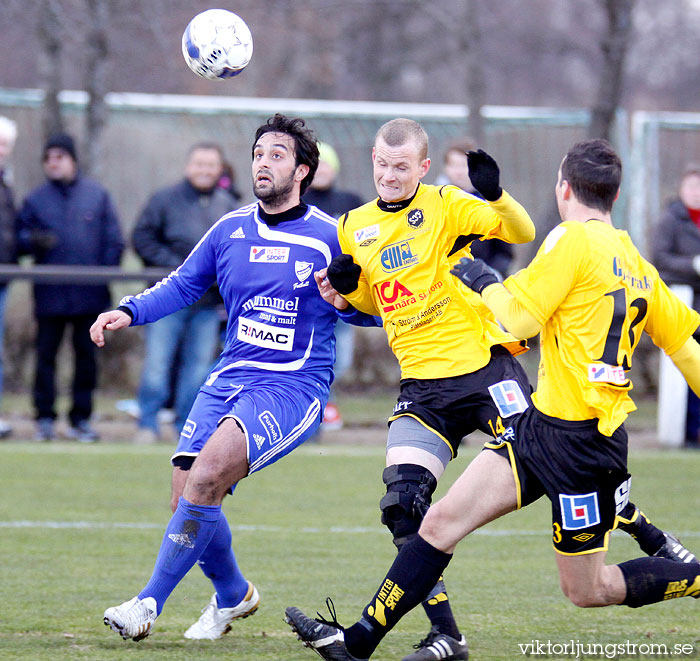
column 415, row 571
column 437, row 608
column 638, row 526
column 649, row 580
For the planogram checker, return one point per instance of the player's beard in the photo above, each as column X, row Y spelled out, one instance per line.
column 276, row 194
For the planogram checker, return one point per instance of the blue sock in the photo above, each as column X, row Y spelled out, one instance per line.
column 187, row 535
column 219, row 565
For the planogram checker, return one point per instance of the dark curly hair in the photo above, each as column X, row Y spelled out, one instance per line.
column 305, row 144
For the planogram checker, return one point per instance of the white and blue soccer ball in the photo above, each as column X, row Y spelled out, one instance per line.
column 217, row 44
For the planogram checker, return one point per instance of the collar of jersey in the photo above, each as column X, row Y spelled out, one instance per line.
column 272, row 219
column 393, row 207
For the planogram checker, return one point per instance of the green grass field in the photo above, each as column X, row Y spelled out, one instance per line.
column 81, row 526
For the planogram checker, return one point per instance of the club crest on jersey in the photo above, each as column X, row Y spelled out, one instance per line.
column 302, row 270
column 362, row 235
column 415, row 218
column 269, row 254
column 508, row 397
column 397, row 256
column 580, row 511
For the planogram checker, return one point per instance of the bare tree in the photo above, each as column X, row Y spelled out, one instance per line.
column 97, row 53
column 475, row 85
column 50, row 46
column 460, row 25
column 614, row 47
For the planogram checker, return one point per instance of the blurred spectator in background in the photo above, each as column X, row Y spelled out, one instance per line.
column 496, row 253
column 323, row 194
column 68, row 220
column 8, row 231
column 677, row 256
column 171, row 224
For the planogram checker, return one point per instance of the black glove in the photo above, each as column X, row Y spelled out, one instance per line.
column 42, row 240
column 475, row 273
column 484, row 173
column 343, row 274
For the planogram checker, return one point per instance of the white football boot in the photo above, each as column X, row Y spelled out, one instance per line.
column 215, row 622
column 133, row 619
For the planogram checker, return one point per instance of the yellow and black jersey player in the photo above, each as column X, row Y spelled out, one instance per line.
column 405, row 252
column 592, row 294
column 458, row 370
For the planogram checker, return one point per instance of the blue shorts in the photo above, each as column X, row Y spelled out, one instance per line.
column 276, row 416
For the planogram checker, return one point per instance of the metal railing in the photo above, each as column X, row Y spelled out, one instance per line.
column 77, row 275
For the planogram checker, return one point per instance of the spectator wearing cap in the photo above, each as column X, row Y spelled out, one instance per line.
column 70, row 220
column 677, row 256
column 8, row 229
column 323, row 194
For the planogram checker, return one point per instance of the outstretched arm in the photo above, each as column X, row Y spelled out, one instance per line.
column 347, row 312
column 687, row 360
column 510, row 312
column 481, row 278
column 112, row 320
column 346, row 278
column 328, row 292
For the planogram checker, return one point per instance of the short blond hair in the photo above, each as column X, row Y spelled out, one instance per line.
column 8, row 129
column 399, row 131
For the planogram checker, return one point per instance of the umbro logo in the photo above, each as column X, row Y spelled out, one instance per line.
column 237, row 234
column 183, row 539
column 259, row 440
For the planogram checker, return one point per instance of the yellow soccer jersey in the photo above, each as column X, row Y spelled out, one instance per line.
column 436, row 326
column 595, row 294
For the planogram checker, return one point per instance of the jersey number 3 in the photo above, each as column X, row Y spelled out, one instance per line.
column 615, row 340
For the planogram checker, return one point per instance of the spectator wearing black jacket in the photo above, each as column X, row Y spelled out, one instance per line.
column 8, row 229
column 68, row 220
column 171, row 224
column 677, row 256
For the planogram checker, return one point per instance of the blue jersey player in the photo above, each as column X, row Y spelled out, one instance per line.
column 266, row 394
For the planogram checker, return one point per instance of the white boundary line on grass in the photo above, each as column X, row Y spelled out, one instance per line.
column 335, row 530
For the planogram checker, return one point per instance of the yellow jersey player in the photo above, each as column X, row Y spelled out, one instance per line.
column 591, row 295
column 458, row 372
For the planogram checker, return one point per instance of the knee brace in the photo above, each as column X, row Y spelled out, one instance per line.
column 409, row 492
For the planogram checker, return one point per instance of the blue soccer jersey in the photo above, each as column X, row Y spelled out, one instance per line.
column 275, row 371
column 277, row 320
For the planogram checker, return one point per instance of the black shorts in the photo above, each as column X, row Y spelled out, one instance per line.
column 583, row 473
column 455, row 406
